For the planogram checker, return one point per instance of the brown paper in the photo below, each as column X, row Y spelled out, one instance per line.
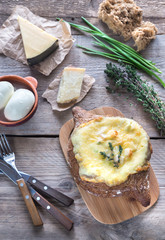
column 51, row 92
column 11, row 43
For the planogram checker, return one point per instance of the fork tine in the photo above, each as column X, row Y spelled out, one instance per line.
column 1, row 145
column 1, row 153
column 4, row 145
column 7, row 143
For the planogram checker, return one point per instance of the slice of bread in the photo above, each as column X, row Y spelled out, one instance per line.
column 135, row 187
column 122, row 16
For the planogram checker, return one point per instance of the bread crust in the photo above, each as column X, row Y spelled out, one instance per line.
column 143, row 35
column 122, row 16
column 136, row 187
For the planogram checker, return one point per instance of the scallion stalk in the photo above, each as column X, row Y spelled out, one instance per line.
column 120, row 50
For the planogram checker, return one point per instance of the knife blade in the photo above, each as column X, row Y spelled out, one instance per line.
column 15, row 177
column 10, row 172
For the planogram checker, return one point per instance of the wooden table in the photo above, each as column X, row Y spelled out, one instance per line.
column 36, row 142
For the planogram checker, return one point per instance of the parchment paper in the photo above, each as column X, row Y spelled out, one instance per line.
column 51, row 92
column 11, row 43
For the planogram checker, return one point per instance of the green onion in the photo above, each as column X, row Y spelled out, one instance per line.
column 116, row 50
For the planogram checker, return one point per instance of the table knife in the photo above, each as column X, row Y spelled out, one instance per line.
column 18, row 180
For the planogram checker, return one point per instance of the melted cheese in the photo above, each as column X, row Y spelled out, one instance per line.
column 91, row 138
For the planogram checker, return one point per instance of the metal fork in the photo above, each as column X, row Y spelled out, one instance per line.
column 7, row 154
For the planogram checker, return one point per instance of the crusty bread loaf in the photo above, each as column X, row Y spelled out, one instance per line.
column 144, row 34
column 136, row 187
column 122, row 16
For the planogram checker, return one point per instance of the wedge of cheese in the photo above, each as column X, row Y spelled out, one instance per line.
column 70, row 85
column 38, row 44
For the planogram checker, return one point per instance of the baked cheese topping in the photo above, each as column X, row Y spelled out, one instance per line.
column 109, row 149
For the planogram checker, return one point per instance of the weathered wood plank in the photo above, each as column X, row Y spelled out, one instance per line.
column 102, row 26
column 47, row 122
column 95, row 65
column 73, row 10
column 50, row 122
column 43, row 158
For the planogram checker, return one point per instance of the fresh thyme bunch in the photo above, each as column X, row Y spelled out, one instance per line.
column 127, row 77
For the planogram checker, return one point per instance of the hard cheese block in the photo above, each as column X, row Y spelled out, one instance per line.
column 70, row 85
column 38, row 44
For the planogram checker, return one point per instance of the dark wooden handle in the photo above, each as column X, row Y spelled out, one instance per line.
column 37, row 221
column 50, row 191
column 66, row 222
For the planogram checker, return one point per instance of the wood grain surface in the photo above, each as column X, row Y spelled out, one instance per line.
column 43, row 158
column 37, row 144
column 51, row 121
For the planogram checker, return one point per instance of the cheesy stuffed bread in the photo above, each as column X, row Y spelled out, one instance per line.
column 109, row 156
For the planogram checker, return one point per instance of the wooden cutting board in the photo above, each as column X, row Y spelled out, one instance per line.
column 109, row 210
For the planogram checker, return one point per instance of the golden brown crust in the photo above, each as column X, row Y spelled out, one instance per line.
column 137, row 185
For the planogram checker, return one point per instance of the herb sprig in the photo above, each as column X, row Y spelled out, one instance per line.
column 127, row 77
column 104, row 155
column 111, row 156
column 120, row 152
column 116, row 50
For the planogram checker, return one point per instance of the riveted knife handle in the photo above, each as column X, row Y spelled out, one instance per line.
column 65, row 221
column 37, row 221
column 50, row 191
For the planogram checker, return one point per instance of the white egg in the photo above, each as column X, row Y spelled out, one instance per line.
column 6, row 91
column 19, row 105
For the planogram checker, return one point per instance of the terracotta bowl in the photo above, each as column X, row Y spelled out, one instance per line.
column 29, row 82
